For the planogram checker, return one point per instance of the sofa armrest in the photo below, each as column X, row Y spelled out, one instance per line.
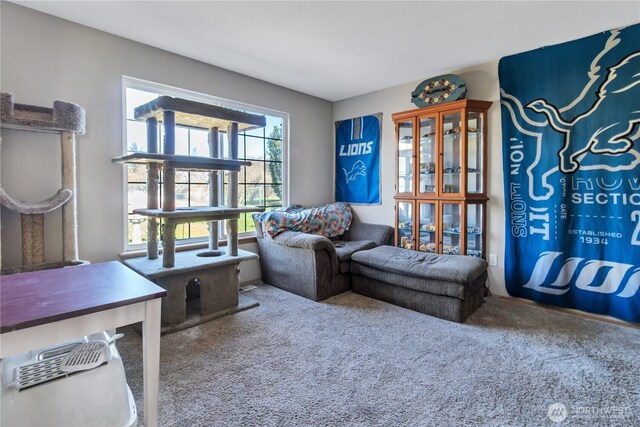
column 295, row 239
column 313, row 242
column 380, row 234
column 305, row 272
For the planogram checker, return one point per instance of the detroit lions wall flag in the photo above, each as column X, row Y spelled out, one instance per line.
column 571, row 155
column 358, row 159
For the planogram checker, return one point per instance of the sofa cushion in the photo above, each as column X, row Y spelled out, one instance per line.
column 431, row 286
column 378, row 233
column 446, row 268
column 344, row 249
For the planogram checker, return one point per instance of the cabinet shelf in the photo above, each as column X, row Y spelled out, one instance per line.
column 444, row 173
column 460, row 133
column 449, row 232
column 457, row 233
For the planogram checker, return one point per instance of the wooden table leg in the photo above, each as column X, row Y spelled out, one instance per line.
column 151, row 361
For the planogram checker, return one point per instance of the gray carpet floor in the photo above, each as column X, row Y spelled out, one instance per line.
column 354, row 361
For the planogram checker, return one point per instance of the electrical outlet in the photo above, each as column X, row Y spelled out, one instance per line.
column 493, row 260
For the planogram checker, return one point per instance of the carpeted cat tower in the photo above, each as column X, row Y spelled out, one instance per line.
column 67, row 120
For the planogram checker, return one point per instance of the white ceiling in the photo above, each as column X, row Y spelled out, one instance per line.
column 336, row 50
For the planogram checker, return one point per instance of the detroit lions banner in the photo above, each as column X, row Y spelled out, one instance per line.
column 570, row 125
column 358, row 159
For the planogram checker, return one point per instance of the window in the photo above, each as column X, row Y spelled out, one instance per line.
column 262, row 184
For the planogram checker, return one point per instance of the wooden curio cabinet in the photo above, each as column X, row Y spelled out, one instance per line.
column 441, row 187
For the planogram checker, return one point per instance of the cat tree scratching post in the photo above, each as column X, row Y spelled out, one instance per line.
column 214, row 152
column 169, row 191
column 69, row 211
column 153, row 181
column 232, row 224
column 67, row 120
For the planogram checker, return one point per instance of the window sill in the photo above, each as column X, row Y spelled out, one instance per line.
column 187, row 247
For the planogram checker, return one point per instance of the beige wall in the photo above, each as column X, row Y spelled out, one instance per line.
column 44, row 58
column 482, row 84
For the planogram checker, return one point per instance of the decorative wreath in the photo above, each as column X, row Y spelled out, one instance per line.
column 439, row 90
column 427, row 93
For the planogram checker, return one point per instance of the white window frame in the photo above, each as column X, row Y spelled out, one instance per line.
column 145, row 85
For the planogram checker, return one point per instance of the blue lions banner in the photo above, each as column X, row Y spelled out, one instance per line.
column 571, row 150
column 358, row 159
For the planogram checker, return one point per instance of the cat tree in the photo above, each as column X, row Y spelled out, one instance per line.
column 67, row 120
column 215, row 269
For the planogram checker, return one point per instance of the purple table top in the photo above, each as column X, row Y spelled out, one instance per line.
column 36, row 298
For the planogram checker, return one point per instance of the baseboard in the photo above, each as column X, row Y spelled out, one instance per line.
column 579, row 313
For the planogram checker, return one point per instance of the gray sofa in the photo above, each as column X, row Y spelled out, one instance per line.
column 313, row 266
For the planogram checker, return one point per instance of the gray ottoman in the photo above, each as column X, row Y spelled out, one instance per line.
column 450, row 287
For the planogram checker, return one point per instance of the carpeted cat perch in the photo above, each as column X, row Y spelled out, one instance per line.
column 67, row 120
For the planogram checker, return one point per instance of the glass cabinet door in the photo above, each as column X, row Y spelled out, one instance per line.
column 474, row 229
column 451, row 221
column 475, row 161
column 405, row 156
column 451, row 153
column 428, row 154
column 404, row 212
column 428, row 229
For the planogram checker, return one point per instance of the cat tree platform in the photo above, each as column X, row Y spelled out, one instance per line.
column 63, row 117
column 193, row 163
column 197, row 114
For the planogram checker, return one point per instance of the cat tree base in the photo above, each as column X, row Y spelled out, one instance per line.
column 217, row 276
